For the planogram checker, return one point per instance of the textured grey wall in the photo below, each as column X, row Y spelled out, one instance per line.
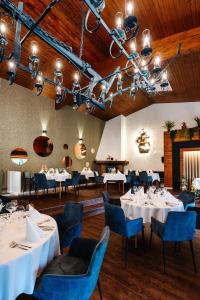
column 23, row 116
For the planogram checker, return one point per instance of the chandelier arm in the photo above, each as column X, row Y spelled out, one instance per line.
column 86, row 23
column 110, row 51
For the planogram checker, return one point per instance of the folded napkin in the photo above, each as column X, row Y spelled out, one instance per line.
column 33, row 232
column 1, row 206
column 34, row 214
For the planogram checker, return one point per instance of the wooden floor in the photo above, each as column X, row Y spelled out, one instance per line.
column 144, row 278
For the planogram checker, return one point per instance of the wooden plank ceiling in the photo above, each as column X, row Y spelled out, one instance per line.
column 170, row 22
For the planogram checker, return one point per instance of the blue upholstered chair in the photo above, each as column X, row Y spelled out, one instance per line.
column 74, row 276
column 132, row 179
column 107, row 199
column 73, row 182
column 144, row 178
column 188, row 199
column 69, row 224
column 98, row 179
column 179, row 227
column 41, row 182
column 197, row 210
column 118, row 223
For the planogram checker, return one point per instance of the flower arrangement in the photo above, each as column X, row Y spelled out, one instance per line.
column 169, row 125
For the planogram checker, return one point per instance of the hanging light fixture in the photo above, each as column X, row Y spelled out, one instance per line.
column 3, row 40
column 39, row 83
column 58, row 75
column 11, row 71
column 34, row 60
column 146, row 37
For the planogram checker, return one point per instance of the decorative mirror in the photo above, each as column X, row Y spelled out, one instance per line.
column 80, row 151
column 43, row 146
column 67, row 162
column 65, row 147
column 19, row 156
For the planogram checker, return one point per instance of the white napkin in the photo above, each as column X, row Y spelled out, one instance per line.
column 1, row 206
column 34, row 214
column 118, row 172
column 33, row 232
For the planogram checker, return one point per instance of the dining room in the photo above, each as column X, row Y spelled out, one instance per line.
column 99, row 150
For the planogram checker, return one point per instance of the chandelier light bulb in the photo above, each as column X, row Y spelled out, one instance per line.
column 11, row 66
column 76, row 77
column 111, row 95
column 152, row 81
column 39, row 79
column 143, row 63
column 34, row 49
column 157, row 61
column 129, row 8
column 133, row 46
column 2, row 28
column 58, row 90
column 103, row 87
column 58, row 65
column 119, row 20
column 119, row 76
column 164, row 76
column 146, row 38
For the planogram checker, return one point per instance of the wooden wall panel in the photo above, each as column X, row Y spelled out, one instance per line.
column 167, row 160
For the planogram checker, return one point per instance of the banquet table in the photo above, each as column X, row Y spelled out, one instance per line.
column 19, row 268
column 114, row 177
column 87, row 174
column 59, row 178
column 196, row 183
column 139, row 205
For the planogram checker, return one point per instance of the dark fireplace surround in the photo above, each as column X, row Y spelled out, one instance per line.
column 176, row 147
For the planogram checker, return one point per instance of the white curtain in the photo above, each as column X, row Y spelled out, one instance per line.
column 191, row 165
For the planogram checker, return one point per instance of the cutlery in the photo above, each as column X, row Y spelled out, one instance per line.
column 13, row 244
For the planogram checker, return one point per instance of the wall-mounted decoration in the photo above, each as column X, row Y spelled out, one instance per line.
column 67, row 162
column 92, row 150
column 80, row 150
column 19, row 156
column 143, row 142
column 65, row 147
column 43, row 146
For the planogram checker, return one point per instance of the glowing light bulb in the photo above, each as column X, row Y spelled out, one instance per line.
column 103, row 87
column 11, row 66
column 157, row 61
column 164, row 76
column 133, row 45
column 146, row 38
column 76, row 77
column 143, row 63
column 152, row 81
column 129, row 8
column 136, row 70
column 2, row 28
column 34, row 48
column 119, row 20
column 119, row 76
column 58, row 64
column 111, row 95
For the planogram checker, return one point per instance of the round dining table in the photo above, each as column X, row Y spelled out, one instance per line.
column 134, row 206
column 59, row 178
column 19, row 268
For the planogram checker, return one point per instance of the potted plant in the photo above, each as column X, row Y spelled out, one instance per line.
column 169, row 125
column 197, row 120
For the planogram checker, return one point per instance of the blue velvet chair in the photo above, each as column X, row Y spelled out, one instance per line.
column 179, row 227
column 69, row 224
column 144, row 178
column 116, row 220
column 188, row 199
column 132, row 179
column 197, row 210
column 107, row 199
column 41, row 182
column 74, row 276
column 73, row 182
column 98, row 179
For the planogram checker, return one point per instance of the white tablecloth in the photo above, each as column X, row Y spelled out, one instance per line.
column 58, row 177
column 113, row 177
column 133, row 209
column 19, row 268
column 87, row 174
column 196, row 183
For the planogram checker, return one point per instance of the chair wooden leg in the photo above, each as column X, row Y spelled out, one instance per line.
column 100, row 289
column 150, row 241
column 193, row 256
column 164, row 257
column 126, row 252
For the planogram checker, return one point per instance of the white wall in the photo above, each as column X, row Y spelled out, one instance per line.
column 120, row 134
column 113, row 140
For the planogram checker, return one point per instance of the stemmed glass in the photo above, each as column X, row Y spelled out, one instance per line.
column 11, row 207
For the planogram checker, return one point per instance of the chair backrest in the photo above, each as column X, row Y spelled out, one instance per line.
column 40, row 180
column 106, row 197
column 180, row 226
column 186, row 197
column 197, row 210
column 143, row 176
column 73, row 213
column 115, row 218
column 76, row 179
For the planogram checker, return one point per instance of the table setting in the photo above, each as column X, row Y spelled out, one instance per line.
column 28, row 242
column 154, row 203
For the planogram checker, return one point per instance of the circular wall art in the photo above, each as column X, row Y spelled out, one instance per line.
column 43, row 146
column 19, row 156
column 80, row 151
